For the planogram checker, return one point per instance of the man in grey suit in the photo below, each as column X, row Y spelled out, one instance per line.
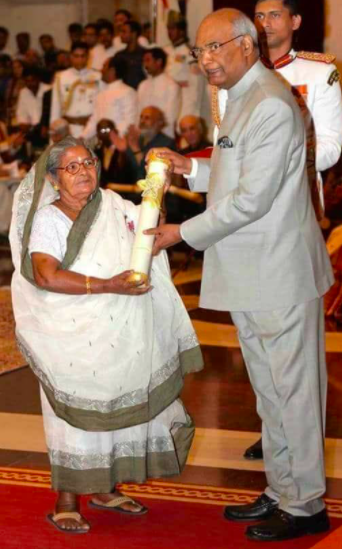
column 265, row 261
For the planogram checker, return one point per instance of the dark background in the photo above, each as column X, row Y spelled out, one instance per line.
column 311, row 34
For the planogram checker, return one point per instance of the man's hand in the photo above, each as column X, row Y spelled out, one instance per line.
column 166, row 236
column 180, row 164
column 132, row 136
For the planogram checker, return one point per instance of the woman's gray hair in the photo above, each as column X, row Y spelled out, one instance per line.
column 58, row 150
column 244, row 25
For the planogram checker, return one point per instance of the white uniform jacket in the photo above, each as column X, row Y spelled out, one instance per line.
column 73, row 95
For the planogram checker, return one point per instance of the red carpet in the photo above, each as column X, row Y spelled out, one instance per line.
column 180, row 516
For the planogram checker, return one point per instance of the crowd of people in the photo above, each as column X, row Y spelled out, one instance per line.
column 111, row 86
column 108, row 71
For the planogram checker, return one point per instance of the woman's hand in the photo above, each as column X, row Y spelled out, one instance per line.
column 120, row 284
column 181, row 165
column 120, row 143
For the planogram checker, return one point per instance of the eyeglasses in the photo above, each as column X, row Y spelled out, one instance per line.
column 213, row 47
column 74, row 167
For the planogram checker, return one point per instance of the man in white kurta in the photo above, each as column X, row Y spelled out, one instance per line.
column 75, row 90
column 30, row 101
column 159, row 90
column 118, row 102
column 104, row 49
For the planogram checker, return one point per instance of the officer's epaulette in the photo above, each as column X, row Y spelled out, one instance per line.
column 327, row 58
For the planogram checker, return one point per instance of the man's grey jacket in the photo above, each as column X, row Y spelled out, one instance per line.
column 263, row 247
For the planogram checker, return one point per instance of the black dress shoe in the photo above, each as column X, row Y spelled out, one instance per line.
column 254, row 451
column 262, row 508
column 282, row 526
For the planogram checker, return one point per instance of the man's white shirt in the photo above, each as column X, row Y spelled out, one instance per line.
column 118, row 103
column 161, row 91
column 120, row 45
column 29, row 107
column 99, row 54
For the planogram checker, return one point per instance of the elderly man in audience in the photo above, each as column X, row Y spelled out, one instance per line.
column 146, row 137
column 59, row 129
column 75, row 90
column 159, row 90
column 118, row 102
column 133, row 54
column 193, row 131
column 104, row 49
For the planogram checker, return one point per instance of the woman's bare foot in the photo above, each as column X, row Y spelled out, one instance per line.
column 68, row 503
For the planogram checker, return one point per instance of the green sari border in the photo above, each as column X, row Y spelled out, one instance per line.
column 158, row 399
column 126, row 469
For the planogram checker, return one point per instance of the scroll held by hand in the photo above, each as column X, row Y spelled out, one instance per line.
column 152, row 197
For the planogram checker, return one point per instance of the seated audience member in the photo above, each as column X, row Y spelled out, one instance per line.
column 133, row 54
column 29, row 108
column 159, row 90
column 14, row 85
column 192, row 130
column 10, row 145
column 59, row 129
column 4, row 35
column 121, row 17
column 111, row 151
column 75, row 32
column 148, row 136
column 117, row 102
column 104, row 49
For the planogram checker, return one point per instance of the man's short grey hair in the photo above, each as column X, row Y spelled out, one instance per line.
column 58, row 150
column 244, row 25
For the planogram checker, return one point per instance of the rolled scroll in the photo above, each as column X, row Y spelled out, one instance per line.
column 152, row 196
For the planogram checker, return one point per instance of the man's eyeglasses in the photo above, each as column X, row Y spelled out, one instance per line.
column 213, row 47
column 74, row 167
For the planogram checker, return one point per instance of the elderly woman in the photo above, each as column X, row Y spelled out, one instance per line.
column 110, row 355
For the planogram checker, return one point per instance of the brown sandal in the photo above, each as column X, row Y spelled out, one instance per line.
column 74, row 515
column 114, row 505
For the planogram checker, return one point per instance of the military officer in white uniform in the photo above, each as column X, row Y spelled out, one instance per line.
column 182, row 68
column 75, row 90
column 314, row 80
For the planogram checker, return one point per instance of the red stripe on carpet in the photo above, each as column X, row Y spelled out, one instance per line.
column 168, row 525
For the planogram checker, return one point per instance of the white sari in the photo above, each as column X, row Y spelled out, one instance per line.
column 110, row 366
